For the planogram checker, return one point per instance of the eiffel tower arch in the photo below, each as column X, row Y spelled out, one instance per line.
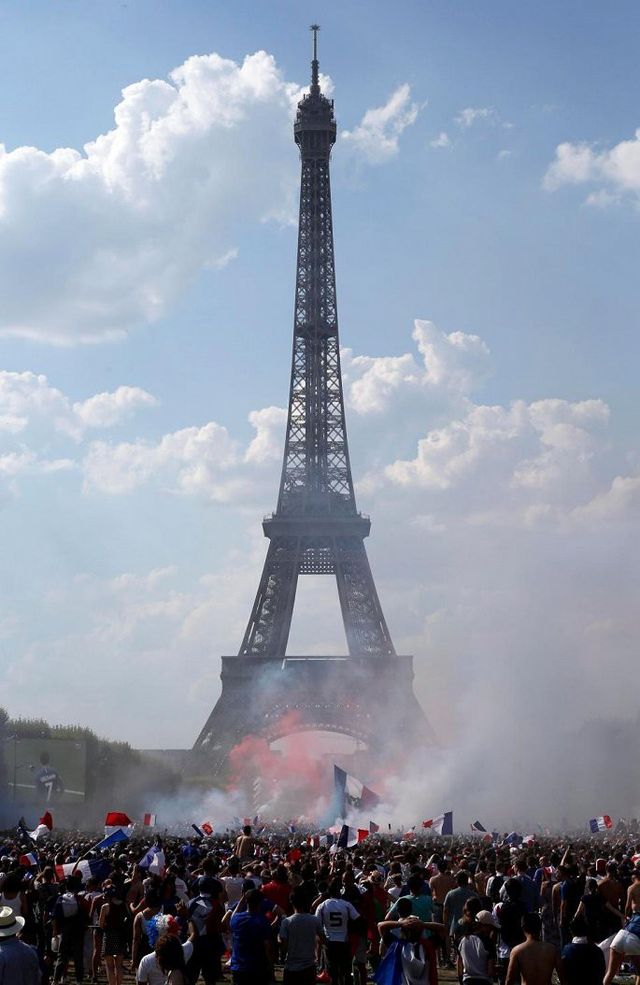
column 316, row 528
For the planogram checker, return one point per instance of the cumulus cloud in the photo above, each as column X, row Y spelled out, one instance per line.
column 376, row 138
column 28, row 399
column 616, row 169
column 96, row 241
column 196, row 461
column 452, row 363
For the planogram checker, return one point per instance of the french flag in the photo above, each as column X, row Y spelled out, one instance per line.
column 154, row 861
column 442, row 825
column 373, row 828
column 352, row 793
column 43, row 827
column 603, row 823
column 118, row 820
column 149, row 820
column 86, row 868
column 349, row 837
column 207, row 828
column 476, row 826
column 29, row 860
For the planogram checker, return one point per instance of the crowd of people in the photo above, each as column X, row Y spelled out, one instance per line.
column 245, row 908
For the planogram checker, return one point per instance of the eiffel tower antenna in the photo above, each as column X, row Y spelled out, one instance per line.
column 315, row 85
column 316, row 528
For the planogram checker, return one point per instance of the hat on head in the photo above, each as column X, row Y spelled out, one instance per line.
column 10, row 924
column 487, row 917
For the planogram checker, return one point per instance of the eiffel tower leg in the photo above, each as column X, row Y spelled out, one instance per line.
column 270, row 621
column 364, row 623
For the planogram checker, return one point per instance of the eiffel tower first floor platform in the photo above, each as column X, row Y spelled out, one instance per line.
column 368, row 698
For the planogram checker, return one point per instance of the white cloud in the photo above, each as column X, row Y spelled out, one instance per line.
column 28, row 400
column 474, row 114
column 616, row 169
column 376, row 138
column 454, row 363
column 511, row 454
column 106, row 409
column 95, row 242
column 442, row 140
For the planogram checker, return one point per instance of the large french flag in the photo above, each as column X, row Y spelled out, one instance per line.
column 86, row 868
column 44, row 826
column 349, row 837
column 442, row 825
column 603, row 823
column 118, row 821
column 352, row 793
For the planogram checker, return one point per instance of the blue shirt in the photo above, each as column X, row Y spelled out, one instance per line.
column 19, row 963
column 249, row 931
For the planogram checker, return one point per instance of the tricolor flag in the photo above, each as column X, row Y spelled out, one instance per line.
column 513, row 839
column 600, row 824
column 118, row 819
column 29, row 860
column 352, row 793
column 198, row 830
column 373, row 828
column 44, row 826
column 476, row 826
column 207, row 828
column 349, row 837
column 442, row 825
column 154, row 861
column 149, row 820
column 86, row 868
column 119, row 834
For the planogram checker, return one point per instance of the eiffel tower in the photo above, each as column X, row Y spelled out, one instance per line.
column 316, row 528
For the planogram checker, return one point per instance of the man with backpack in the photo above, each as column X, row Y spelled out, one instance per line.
column 206, row 911
column 69, row 920
column 509, row 914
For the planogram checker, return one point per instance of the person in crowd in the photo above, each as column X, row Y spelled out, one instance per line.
column 300, row 936
column 477, row 949
column 252, row 949
column 112, row 923
column 582, row 961
column 533, row 962
column 170, row 958
column 19, row 963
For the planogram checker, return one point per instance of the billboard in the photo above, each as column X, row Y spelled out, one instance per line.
column 45, row 771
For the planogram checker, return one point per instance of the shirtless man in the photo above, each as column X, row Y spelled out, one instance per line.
column 245, row 844
column 633, row 896
column 532, row 963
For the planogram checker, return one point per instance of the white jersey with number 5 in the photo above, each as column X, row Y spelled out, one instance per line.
column 335, row 915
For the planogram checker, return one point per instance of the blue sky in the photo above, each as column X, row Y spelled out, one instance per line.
column 131, row 543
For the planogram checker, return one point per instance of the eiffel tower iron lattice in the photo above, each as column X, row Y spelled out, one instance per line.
column 316, row 528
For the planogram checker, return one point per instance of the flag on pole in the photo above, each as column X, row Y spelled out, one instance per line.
column 118, row 819
column 373, row 828
column 207, row 828
column 198, row 830
column 154, row 861
column 603, row 823
column 99, row 868
column 442, row 825
column 513, row 839
column 118, row 835
column 352, row 793
column 476, row 826
column 349, row 837
column 149, row 820
column 43, row 827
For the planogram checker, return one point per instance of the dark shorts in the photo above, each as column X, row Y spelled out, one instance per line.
column 305, row 977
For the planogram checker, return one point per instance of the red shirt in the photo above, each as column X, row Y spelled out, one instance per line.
column 278, row 893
